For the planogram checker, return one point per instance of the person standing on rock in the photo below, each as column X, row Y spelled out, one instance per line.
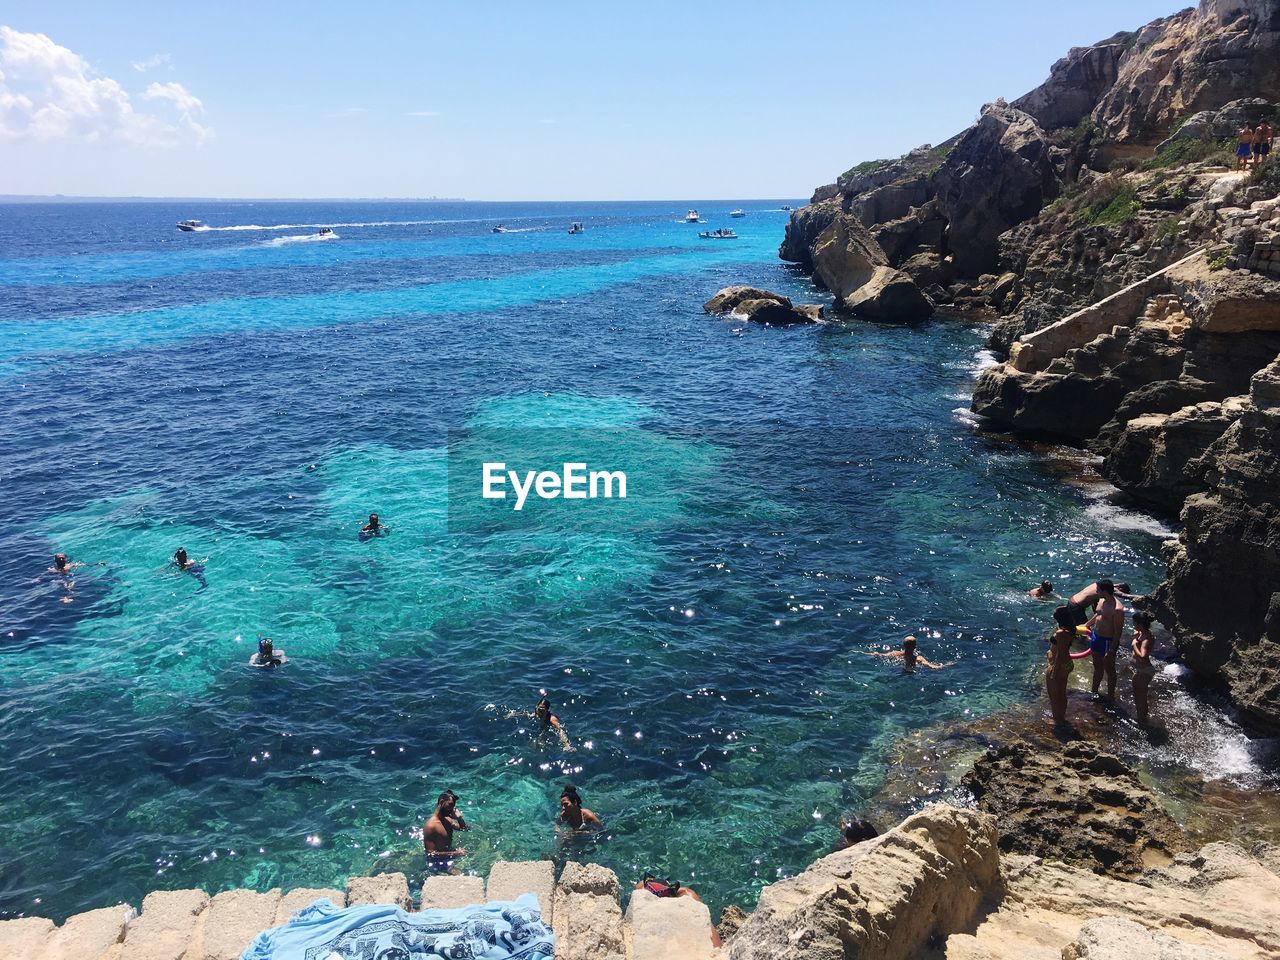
column 1105, row 627
column 437, row 835
column 1262, row 137
column 1060, row 663
column 1143, row 668
column 1244, row 145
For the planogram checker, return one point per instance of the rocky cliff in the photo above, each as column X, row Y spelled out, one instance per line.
column 1132, row 280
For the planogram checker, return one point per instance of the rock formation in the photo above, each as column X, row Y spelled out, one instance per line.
column 1075, row 804
column 762, row 306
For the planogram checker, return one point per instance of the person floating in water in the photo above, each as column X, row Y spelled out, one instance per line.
column 185, row 564
column 910, row 658
column 1143, row 668
column 670, row 888
column 573, row 814
column 1042, row 592
column 374, row 528
column 853, row 833
column 267, row 655
column 437, row 835
column 544, row 715
column 62, row 570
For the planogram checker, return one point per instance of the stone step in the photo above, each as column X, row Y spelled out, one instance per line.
column 669, row 928
column 508, row 879
column 233, row 920
column 449, row 893
column 383, row 888
column 295, row 900
column 24, row 939
column 96, row 935
column 169, row 921
column 588, row 921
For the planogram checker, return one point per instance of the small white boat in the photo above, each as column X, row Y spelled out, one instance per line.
column 785, row 207
column 326, row 233
column 692, row 217
column 577, row 228
column 187, row 226
column 720, row 233
column 499, row 229
column 737, row 213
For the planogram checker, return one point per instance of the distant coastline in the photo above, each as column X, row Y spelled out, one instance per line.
column 71, row 198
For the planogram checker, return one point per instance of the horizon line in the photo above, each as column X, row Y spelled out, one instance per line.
column 80, row 198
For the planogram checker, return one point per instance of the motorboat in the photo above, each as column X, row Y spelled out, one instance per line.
column 737, row 213
column 786, row 208
column 188, row 226
column 692, row 217
column 720, row 233
column 326, row 232
column 499, row 229
column 577, row 228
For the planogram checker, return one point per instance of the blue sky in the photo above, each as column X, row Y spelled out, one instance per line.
column 505, row 101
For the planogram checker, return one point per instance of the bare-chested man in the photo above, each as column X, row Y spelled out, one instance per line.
column 437, row 834
column 1105, row 627
column 1244, row 145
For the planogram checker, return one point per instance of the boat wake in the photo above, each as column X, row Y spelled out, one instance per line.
column 304, row 226
column 297, row 238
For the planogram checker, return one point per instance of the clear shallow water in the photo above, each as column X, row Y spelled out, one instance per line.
column 804, row 495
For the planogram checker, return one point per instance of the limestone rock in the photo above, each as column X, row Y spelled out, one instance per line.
column 390, row 888
column 732, row 918
column 1112, row 938
column 1076, row 804
column 997, row 175
column 803, row 229
column 845, row 256
column 234, row 918
column 1238, row 302
column 24, row 939
column 588, row 920
column 762, row 306
column 166, row 926
column 886, row 898
column 451, row 892
column 302, row 897
column 890, row 296
column 1223, row 122
column 1075, row 84
column 508, row 879
column 89, row 936
column 668, row 928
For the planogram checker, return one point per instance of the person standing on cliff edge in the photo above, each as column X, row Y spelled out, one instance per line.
column 1105, row 627
column 1244, row 145
column 1060, row 664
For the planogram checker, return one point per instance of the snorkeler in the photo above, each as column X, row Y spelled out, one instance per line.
column 374, row 528
column 544, row 715
column 1042, row 592
column 910, row 659
column 573, row 813
column 185, row 564
column 62, row 568
column 437, row 835
column 267, row 655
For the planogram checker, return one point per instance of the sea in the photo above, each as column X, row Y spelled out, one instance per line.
column 798, row 499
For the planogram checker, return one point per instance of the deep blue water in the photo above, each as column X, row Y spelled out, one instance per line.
column 800, row 496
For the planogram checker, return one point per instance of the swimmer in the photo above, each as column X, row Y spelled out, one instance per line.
column 910, row 659
column 185, row 564
column 853, row 833
column 573, row 813
column 670, row 888
column 61, row 569
column 374, row 528
column 437, row 835
column 1143, row 668
column 267, row 655
column 544, row 715
column 1042, row 592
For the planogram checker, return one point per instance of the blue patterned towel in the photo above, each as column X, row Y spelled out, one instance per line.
column 493, row 931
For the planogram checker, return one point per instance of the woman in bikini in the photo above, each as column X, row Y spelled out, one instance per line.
column 1060, row 664
column 1143, row 668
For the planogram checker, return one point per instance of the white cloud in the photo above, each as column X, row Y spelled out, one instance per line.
column 154, row 61
column 48, row 92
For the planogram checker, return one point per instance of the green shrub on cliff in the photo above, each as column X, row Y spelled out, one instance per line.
column 1179, row 152
column 865, row 167
column 1108, row 201
column 1267, row 175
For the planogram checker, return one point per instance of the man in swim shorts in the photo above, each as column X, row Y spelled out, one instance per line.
column 1105, row 627
column 437, row 835
column 1244, row 146
column 1262, row 137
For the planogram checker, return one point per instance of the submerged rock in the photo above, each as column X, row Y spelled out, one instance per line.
column 1075, row 804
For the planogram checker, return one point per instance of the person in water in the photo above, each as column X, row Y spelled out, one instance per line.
column 62, row 568
column 1143, row 668
column 374, row 528
column 1042, row 592
column 187, row 565
column 671, row 888
column 437, row 835
column 853, row 833
column 573, row 814
column 1060, row 663
column 1105, row 627
column 910, row 658
column 542, row 712
column 267, row 655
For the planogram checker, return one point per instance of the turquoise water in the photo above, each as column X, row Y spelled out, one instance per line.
column 797, row 498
